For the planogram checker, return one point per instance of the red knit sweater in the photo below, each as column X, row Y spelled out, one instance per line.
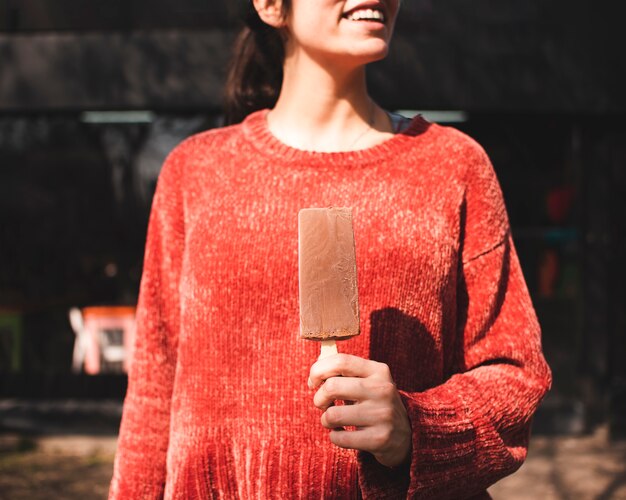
column 218, row 404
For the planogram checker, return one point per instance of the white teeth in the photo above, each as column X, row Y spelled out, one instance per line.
column 368, row 14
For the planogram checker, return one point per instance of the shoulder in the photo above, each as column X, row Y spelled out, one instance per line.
column 458, row 163
column 457, row 145
column 200, row 148
column 208, row 141
column 443, row 156
column 457, row 155
column 483, row 207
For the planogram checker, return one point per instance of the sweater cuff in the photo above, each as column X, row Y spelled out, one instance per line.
column 443, row 444
column 378, row 481
column 443, row 449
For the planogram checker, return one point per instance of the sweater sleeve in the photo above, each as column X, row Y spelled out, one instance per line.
column 473, row 429
column 140, row 462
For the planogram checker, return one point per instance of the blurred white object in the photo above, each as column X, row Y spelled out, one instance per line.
column 81, row 343
column 104, row 339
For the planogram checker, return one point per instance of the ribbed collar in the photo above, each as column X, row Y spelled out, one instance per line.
column 256, row 130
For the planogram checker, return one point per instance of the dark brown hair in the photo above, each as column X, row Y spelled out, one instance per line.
column 256, row 70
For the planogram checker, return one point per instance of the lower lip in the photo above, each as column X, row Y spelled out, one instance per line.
column 369, row 25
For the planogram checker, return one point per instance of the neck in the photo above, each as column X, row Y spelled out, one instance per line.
column 324, row 108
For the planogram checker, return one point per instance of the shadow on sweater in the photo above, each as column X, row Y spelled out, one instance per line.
column 407, row 347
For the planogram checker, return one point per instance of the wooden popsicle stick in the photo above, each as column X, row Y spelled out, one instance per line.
column 329, row 347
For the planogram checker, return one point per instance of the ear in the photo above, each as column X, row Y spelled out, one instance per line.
column 270, row 12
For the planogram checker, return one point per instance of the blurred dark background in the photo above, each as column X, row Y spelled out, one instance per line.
column 95, row 93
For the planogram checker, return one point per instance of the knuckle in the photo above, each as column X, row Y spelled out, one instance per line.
column 387, row 390
column 330, row 386
column 370, row 385
column 332, row 416
column 317, row 400
column 314, row 375
column 386, row 414
column 314, row 368
column 387, row 434
column 379, row 439
column 384, row 370
column 343, row 363
column 338, row 438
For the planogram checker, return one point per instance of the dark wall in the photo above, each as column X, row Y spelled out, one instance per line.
column 28, row 16
column 74, row 204
column 506, row 55
column 543, row 81
column 71, row 71
column 485, row 55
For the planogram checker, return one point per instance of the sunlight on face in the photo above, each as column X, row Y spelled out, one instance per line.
column 353, row 32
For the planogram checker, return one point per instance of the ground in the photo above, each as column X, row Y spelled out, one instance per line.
column 64, row 467
column 568, row 468
column 78, row 465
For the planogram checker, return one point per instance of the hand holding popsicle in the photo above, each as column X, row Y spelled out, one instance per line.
column 329, row 310
column 380, row 418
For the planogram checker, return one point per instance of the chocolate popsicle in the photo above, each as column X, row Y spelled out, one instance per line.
column 329, row 301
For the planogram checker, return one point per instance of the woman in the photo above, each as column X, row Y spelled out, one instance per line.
column 448, row 370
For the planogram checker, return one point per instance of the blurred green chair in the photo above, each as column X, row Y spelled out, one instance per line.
column 10, row 340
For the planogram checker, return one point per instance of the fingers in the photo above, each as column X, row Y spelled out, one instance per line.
column 351, row 389
column 379, row 416
column 369, row 439
column 339, row 388
column 346, row 365
column 358, row 415
column 390, row 447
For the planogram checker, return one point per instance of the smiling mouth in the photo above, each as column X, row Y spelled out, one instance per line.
column 365, row 15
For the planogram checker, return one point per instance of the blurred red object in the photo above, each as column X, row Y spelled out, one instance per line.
column 559, row 203
column 109, row 334
column 548, row 273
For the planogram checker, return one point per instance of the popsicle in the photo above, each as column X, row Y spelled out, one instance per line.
column 329, row 300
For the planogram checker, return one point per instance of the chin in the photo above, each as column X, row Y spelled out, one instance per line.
column 372, row 54
column 353, row 54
